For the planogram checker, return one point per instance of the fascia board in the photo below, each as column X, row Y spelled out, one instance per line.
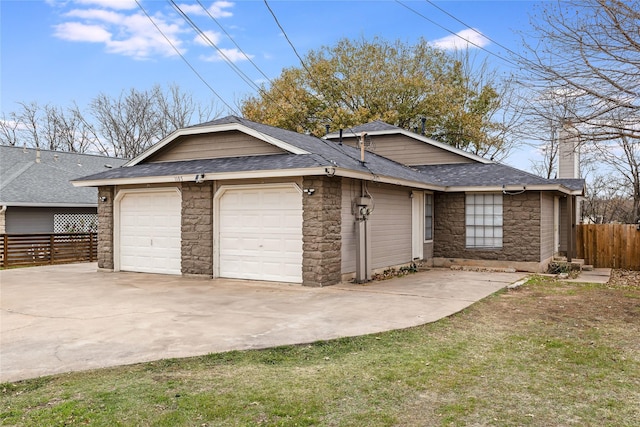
column 214, row 129
column 48, row 205
column 419, row 137
column 346, row 173
column 276, row 173
column 211, row 176
column 513, row 188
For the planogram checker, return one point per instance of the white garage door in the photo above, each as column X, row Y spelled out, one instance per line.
column 260, row 234
column 150, row 232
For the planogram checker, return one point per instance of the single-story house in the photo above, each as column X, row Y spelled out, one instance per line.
column 36, row 195
column 238, row 199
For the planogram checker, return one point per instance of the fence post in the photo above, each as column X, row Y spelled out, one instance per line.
column 90, row 247
column 5, row 250
column 51, row 243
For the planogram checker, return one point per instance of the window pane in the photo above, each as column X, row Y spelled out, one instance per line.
column 484, row 220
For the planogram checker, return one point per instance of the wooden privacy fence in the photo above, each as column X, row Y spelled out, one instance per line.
column 41, row 249
column 609, row 245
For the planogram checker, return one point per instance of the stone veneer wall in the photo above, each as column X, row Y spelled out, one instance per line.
column 321, row 238
column 521, row 229
column 3, row 227
column 197, row 229
column 105, row 228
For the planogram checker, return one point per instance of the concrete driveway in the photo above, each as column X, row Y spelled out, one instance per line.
column 71, row 317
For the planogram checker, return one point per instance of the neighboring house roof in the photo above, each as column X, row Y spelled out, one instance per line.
column 30, row 177
column 481, row 176
column 378, row 127
column 309, row 155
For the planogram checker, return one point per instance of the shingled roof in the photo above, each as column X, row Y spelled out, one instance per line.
column 490, row 175
column 307, row 154
column 30, row 177
column 318, row 154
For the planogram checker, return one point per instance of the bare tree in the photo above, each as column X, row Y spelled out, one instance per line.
column 9, row 130
column 122, row 126
column 135, row 120
column 590, row 49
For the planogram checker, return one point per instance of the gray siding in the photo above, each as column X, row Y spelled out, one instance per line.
column 390, row 225
column 20, row 220
column 564, row 224
column 214, row 146
column 546, row 226
column 410, row 151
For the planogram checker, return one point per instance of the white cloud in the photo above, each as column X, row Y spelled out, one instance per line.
column 464, row 39
column 217, row 9
column 77, row 31
column 97, row 15
column 125, row 30
column 110, row 4
column 122, row 32
column 234, row 55
column 211, row 35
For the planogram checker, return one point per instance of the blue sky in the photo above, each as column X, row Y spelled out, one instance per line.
column 68, row 51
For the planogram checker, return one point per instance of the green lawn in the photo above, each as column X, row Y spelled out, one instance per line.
column 546, row 354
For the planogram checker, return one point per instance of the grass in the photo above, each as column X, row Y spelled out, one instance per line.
column 545, row 354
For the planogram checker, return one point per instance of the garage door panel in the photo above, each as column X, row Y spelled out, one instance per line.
column 261, row 234
column 150, row 232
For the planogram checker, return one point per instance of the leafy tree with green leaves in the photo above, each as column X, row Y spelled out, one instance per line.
column 358, row 81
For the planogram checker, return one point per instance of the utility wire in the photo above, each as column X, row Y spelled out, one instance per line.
column 275, row 18
column 185, row 59
column 264, row 93
column 479, row 33
column 457, row 35
column 233, row 41
column 201, row 33
column 309, row 73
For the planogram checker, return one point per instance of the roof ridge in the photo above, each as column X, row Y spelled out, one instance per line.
column 8, row 180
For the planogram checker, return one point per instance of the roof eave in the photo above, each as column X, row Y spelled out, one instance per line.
column 514, row 188
column 48, row 205
column 329, row 170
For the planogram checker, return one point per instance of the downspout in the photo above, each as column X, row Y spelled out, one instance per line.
column 363, row 235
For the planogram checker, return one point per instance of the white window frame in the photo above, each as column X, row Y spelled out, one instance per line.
column 428, row 213
column 484, row 220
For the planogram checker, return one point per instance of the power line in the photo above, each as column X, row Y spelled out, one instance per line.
column 185, row 59
column 275, row 18
column 309, row 73
column 201, row 33
column 479, row 33
column 456, row 34
column 233, row 41
column 283, row 94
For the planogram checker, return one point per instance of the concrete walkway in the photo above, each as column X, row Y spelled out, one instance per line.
column 597, row 275
column 65, row 318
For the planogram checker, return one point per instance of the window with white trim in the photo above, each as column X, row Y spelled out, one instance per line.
column 483, row 212
column 428, row 216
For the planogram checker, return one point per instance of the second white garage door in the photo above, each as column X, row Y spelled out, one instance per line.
column 260, row 233
column 150, row 228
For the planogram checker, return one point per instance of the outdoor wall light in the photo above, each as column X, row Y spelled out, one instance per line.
column 103, row 199
column 309, row 191
column 199, row 178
